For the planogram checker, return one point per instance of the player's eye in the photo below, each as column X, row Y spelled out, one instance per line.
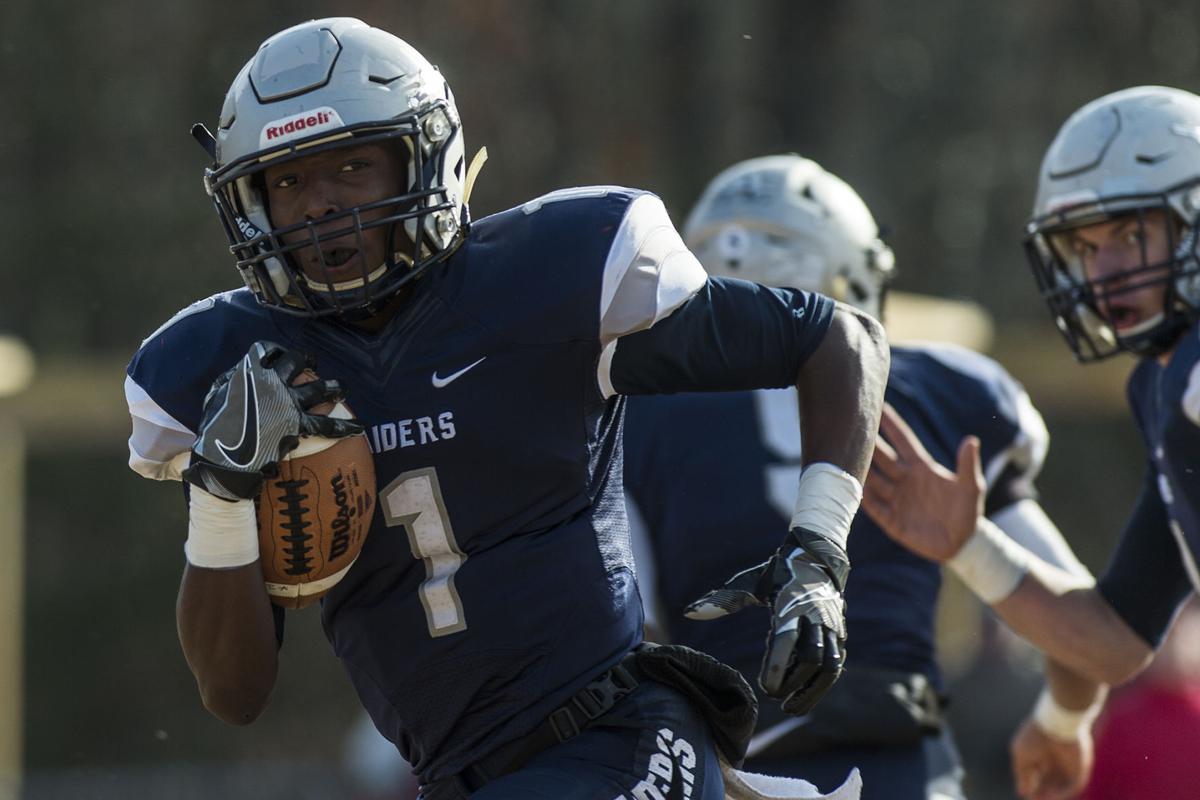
column 355, row 166
column 1081, row 247
column 284, row 182
column 1135, row 237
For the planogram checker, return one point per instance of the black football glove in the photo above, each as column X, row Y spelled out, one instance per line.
column 253, row 416
column 803, row 584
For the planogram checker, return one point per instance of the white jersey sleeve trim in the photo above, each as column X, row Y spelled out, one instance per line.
column 1027, row 524
column 604, row 370
column 160, row 445
column 649, row 272
column 1028, row 449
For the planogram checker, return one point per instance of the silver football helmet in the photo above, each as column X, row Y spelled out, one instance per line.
column 785, row 221
column 317, row 86
column 1127, row 153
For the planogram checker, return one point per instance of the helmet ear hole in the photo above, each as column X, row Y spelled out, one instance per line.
column 858, row 291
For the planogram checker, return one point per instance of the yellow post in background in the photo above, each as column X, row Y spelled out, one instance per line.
column 16, row 370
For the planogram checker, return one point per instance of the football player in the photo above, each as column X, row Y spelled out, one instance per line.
column 1113, row 244
column 785, row 221
column 491, row 625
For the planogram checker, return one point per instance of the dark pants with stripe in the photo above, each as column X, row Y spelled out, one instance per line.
column 653, row 745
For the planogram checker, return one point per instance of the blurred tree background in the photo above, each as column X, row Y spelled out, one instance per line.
column 937, row 111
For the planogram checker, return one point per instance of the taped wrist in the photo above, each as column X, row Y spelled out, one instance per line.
column 221, row 534
column 826, row 501
column 1064, row 724
column 990, row 563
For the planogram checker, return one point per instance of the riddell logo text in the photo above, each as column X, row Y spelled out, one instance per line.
column 247, row 229
column 311, row 121
column 306, row 122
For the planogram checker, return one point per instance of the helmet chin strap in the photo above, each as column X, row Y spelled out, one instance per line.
column 1142, row 327
column 398, row 257
column 342, row 286
column 480, row 158
column 1155, row 336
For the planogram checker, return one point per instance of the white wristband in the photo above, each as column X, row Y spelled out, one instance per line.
column 826, row 501
column 221, row 534
column 1060, row 723
column 990, row 563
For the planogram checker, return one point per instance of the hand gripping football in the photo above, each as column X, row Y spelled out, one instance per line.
column 314, row 515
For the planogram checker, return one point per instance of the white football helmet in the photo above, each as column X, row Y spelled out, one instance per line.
column 322, row 85
column 1127, row 153
column 784, row 221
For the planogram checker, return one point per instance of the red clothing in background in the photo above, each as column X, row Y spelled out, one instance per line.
column 1148, row 745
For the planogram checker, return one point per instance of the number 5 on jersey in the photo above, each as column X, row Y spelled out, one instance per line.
column 414, row 500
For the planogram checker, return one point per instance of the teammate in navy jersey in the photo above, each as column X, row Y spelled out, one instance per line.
column 491, row 624
column 1113, row 244
column 783, row 220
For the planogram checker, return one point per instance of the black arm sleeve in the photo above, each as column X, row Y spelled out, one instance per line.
column 1145, row 581
column 731, row 335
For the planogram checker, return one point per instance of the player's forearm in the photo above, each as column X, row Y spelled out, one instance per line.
column 1073, row 624
column 1066, row 710
column 227, row 633
column 1072, row 690
column 841, row 392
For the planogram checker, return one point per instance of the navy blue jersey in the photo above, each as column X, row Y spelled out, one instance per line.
column 496, row 577
column 714, row 479
column 1160, row 546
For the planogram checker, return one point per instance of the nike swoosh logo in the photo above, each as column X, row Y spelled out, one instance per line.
column 438, row 383
column 242, row 454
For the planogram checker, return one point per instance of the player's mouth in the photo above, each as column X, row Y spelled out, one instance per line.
column 335, row 258
column 336, row 265
column 1123, row 317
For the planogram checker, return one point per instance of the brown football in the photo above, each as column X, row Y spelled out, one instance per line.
column 314, row 515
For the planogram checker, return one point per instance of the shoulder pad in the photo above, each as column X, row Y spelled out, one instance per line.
column 552, row 254
column 176, row 365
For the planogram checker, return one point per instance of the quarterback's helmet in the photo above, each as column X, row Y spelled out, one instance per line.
column 785, row 221
column 327, row 84
column 1128, row 153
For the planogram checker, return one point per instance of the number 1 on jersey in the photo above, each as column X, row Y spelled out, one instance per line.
column 414, row 500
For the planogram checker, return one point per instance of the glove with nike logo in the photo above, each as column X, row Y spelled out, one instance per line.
column 803, row 584
column 253, row 416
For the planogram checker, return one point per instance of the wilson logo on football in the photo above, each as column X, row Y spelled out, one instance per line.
column 297, row 125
